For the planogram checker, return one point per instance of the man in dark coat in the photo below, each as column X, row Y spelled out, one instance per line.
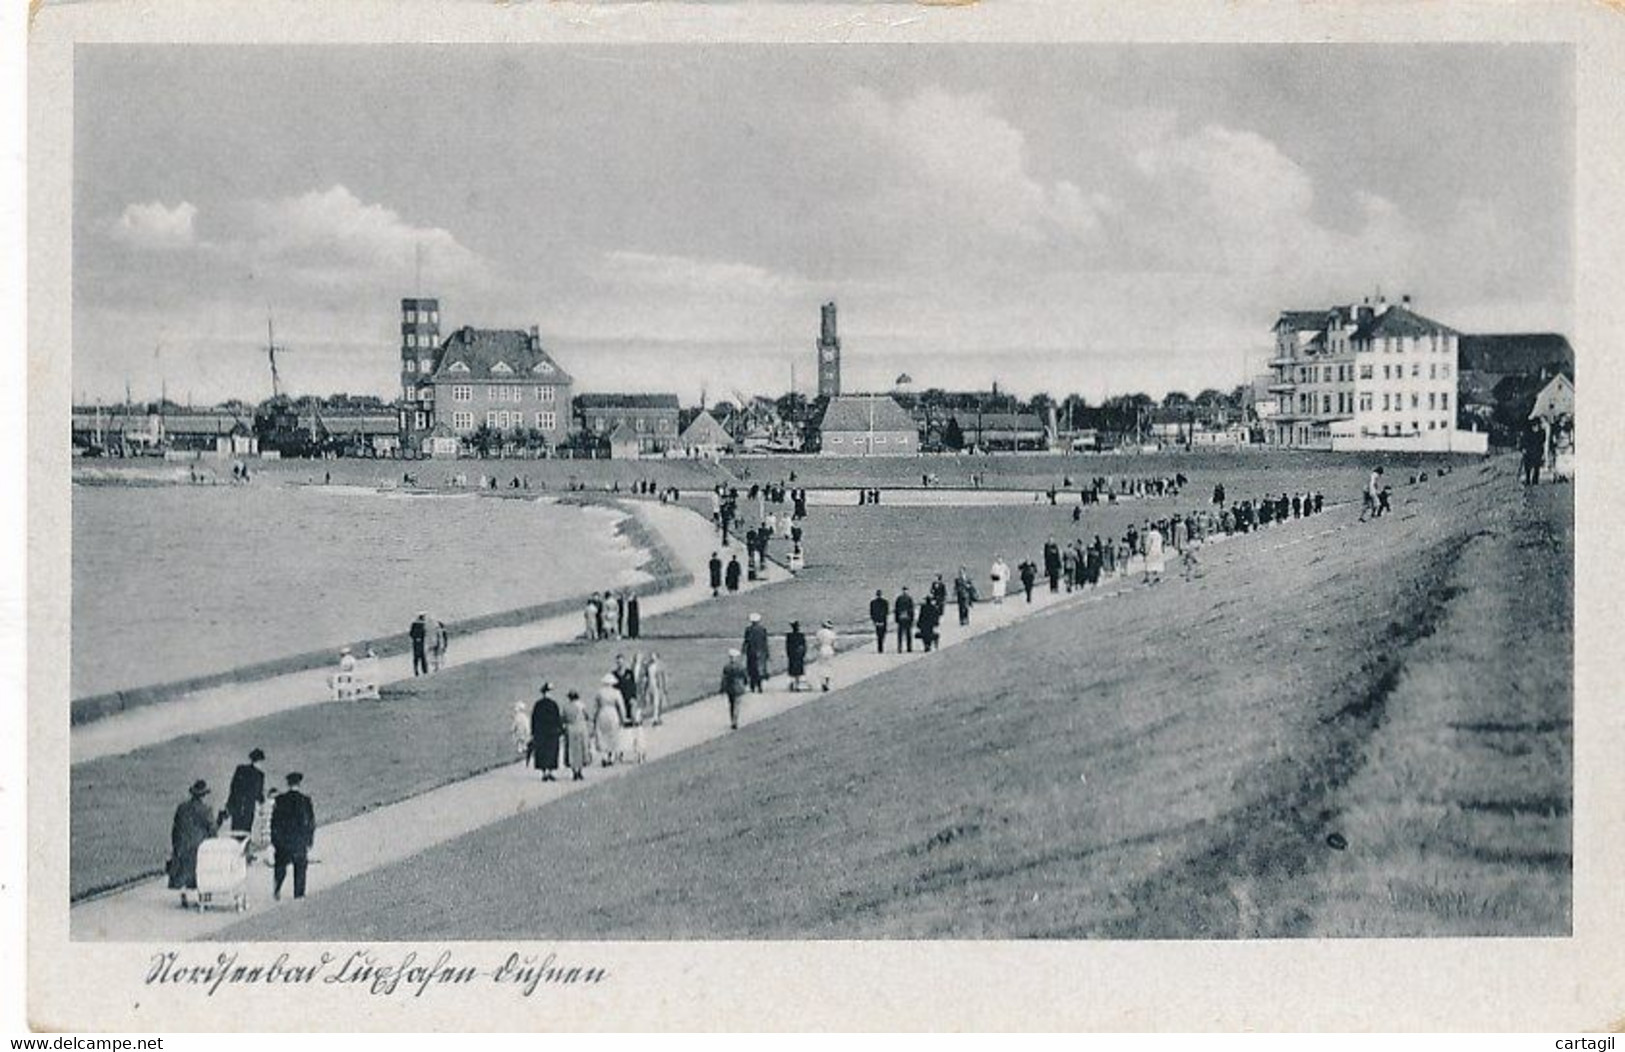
column 930, row 617
column 939, row 593
column 756, row 656
column 247, row 792
column 795, row 656
column 1028, row 572
column 964, row 591
column 293, row 831
column 627, row 683
column 420, row 636
column 903, row 613
column 716, row 575
column 633, row 615
column 194, row 823
column 879, row 614
column 1052, row 564
column 732, row 576
column 546, row 729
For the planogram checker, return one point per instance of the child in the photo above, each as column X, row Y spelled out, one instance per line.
column 1383, row 507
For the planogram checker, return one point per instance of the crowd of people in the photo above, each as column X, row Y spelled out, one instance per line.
column 255, row 819
column 606, row 730
column 612, row 615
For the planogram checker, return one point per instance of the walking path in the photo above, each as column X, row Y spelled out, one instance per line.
column 149, row 911
column 688, row 536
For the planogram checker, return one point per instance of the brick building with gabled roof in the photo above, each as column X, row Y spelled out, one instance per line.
column 502, row 379
column 868, row 425
column 651, row 420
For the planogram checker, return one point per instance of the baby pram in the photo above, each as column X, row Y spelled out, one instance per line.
column 222, row 873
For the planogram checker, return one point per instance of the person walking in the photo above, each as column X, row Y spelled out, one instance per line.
column 879, row 614
column 577, row 750
column 590, row 615
column 626, row 681
column 903, row 614
column 419, row 632
column 1368, row 499
column 439, row 644
column 1052, row 562
column 247, row 792
column 546, row 729
column 634, row 616
column 1000, row 572
column 795, row 656
column 756, row 655
column 930, row 617
column 1027, row 572
column 826, row 651
column 732, row 575
column 939, row 593
column 1154, row 558
column 519, row 729
column 964, row 592
column 655, row 688
column 293, row 831
column 606, row 720
column 194, row 823
column 733, row 685
column 716, row 575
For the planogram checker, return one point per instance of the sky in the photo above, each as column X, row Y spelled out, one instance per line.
column 1064, row 218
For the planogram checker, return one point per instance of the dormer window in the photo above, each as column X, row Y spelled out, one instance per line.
column 502, row 369
column 543, row 366
column 457, row 367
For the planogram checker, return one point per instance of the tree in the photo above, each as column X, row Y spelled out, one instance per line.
column 1175, row 400
column 953, row 437
column 484, row 439
column 1210, row 397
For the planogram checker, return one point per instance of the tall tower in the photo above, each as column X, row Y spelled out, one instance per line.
column 420, row 343
column 829, row 355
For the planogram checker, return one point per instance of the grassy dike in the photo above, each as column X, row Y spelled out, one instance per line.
column 1232, row 757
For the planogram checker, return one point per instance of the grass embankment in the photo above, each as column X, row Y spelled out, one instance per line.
column 1181, row 762
column 548, row 475
column 436, row 730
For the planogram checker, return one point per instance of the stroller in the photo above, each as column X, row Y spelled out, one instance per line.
column 222, row 873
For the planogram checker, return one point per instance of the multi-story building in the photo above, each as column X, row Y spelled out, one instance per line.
column 649, row 420
column 1373, row 375
column 829, row 354
column 504, row 380
column 872, row 425
column 420, row 346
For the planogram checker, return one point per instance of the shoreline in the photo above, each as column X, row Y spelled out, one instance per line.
column 656, row 564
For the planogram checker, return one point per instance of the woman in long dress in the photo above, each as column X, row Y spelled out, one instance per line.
column 546, row 727
column 194, row 823
column 577, row 750
column 655, row 689
column 1153, row 554
column 606, row 720
column 1001, row 578
column 826, row 651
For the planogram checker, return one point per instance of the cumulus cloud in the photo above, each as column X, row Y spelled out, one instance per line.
column 953, row 161
column 332, row 233
column 156, row 227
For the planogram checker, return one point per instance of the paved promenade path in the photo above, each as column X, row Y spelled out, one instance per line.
column 690, row 538
column 149, row 911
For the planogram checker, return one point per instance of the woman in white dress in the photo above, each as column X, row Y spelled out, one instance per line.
column 1153, row 554
column 521, row 731
column 654, row 688
column 826, row 650
column 606, row 721
column 1001, row 578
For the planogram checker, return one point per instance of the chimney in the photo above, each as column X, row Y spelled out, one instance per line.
column 1405, row 301
column 535, row 338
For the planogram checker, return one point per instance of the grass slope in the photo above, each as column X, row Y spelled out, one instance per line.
column 1172, row 763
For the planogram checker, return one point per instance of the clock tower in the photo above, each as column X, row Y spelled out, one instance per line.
column 829, row 355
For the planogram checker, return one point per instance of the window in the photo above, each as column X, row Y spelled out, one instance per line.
column 641, row 424
column 1365, row 372
column 543, row 366
column 663, row 424
column 544, row 393
column 1385, row 429
column 457, row 367
column 434, row 317
column 1431, row 397
column 1430, row 425
column 462, row 393
column 462, row 421
column 423, row 421
column 1325, row 403
column 835, row 440
column 1416, row 402
column 1444, row 400
column 501, row 369
column 547, row 421
column 902, row 440
column 1365, row 401
column 490, row 418
column 1416, row 368
column 1385, row 400
column 1433, row 371
column 411, row 366
column 1444, row 371
column 880, row 440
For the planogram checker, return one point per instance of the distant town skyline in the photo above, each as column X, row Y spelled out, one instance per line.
column 1091, row 219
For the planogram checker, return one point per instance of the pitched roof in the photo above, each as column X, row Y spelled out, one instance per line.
column 851, row 413
column 704, row 430
column 497, row 354
column 1003, row 422
column 200, row 423
column 1302, row 319
column 1401, row 321
column 1515, row 352
column 623, row 432
column 627, row 401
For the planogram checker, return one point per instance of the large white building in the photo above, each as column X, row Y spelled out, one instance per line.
column 1369, row 376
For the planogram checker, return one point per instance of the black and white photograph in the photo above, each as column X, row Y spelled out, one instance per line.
column 594, row 495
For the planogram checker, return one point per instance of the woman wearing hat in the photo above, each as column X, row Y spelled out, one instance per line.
column 577, row 754
column 606, row 719
column 546, row 727
column 826, row 649
column 194, row 823
column 795, row 656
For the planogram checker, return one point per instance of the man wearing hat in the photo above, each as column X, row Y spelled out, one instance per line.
column 756, row 658
column 420, row 636
column 293, row 830
column 733, row 685
column 247, row 792
column 546, row 732
column 194, row 823
column 879, row 614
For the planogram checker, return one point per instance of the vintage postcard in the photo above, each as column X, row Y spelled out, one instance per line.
column 824, row 516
